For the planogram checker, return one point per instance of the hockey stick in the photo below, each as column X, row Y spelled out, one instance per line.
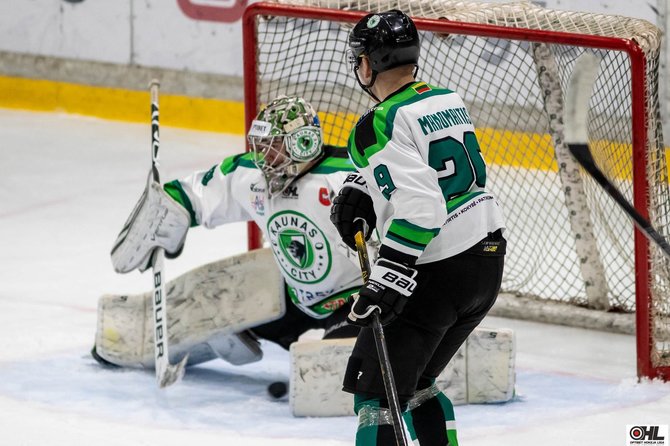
column 382, row 350
column 166, row 374
column 576, row 137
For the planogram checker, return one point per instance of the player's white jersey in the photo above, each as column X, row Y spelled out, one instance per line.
column 320, row 271
column 418, row 152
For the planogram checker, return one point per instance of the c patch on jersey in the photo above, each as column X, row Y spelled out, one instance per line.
column 300, row 247
column 324, row 197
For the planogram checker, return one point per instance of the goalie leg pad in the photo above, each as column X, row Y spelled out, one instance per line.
column 157, row 221
column 213, row 300
column 317, row 370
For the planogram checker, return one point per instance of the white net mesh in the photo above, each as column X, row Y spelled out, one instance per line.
column 498, row 79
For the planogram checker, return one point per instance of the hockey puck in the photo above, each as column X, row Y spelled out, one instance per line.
column 278, row 389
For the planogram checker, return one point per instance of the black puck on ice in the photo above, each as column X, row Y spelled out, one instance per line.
column 278, row 389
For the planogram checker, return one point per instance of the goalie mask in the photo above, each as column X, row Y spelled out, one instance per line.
column 285, row 138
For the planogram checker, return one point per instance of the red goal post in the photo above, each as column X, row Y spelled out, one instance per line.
column 280, row 37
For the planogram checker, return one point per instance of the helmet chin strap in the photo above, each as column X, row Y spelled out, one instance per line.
column 367, row 88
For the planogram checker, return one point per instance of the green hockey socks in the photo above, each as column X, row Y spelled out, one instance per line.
column 375, row 423
column 429, row 419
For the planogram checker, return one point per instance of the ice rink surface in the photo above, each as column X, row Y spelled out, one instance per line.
column 67, row 184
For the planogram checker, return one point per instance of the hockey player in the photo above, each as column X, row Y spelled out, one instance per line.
column 285, row 185
column 440, row 263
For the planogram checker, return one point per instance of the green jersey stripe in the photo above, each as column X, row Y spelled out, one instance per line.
column 408, row 100
column 384, row 117
column 355, row 156
column 412, row 227
column 412, row 232
column 383, row 120
column 177, row 192
column 459, row 201
column 233, row 162
column 405, row 242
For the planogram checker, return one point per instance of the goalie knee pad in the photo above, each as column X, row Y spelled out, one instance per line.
column 157, row 221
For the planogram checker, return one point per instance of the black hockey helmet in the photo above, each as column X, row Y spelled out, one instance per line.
column 388, row 39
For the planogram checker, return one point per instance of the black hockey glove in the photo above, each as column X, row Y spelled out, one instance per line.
column 387, row 290
column 350, row 206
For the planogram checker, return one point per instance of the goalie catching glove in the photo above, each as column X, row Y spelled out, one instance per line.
column 157, row 221
column 387, row 290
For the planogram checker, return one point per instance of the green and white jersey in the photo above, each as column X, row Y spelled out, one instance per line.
column 320, row 271
column 418, row 153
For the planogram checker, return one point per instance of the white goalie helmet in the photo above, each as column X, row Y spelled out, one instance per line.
column 285, row 138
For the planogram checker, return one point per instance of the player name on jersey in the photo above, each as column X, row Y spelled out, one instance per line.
column 443, row 119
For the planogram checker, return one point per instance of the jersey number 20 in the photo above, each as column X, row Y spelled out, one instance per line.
column 458, row 165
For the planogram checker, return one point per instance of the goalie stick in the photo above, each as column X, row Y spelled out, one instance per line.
column 166, row 373
column 576, row 137
column 382, row 350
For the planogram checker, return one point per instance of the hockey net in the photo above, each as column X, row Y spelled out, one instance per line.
column 569, row 244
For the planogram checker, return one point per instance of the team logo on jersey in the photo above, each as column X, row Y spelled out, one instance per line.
column 300, row 246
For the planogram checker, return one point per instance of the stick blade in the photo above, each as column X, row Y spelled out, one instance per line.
column 172, row 373
column 582, row 154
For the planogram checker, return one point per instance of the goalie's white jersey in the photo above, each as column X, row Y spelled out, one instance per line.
column 319, row 269
column 418, row 153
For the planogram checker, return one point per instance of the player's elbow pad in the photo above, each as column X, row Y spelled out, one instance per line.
column 157, row 221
